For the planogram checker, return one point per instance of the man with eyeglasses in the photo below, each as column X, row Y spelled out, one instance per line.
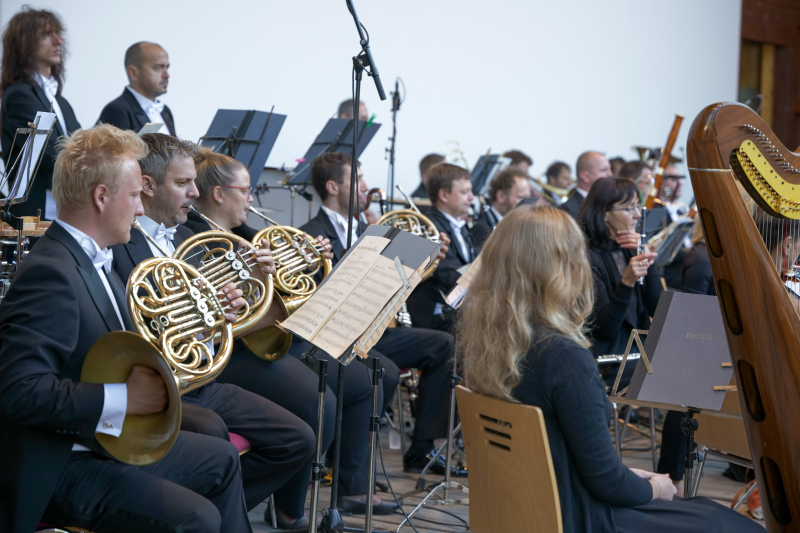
column 641, row 174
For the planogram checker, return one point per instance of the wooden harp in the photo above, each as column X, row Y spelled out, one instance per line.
column 729, row 143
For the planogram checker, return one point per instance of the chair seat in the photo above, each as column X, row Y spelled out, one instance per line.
column 241, row 443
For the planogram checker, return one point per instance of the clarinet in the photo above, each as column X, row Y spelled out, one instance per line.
column 640, row 248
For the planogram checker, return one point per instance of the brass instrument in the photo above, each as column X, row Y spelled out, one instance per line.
column 542, row 185
column 652, row 196
column 729, row 141
column 222, row 262
column 413, row 221
column 176, row 312
column 298, row 259
column 382, row 201
column 453, row 154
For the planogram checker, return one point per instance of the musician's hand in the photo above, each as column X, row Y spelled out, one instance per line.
column 644, row 474
column 326, row 244
column 637, row 267
column 231, row 299
column 443, row 246
column 662, row 486
column 628, row 239
column 372, row 218
column 147, row 392
column 263, row 256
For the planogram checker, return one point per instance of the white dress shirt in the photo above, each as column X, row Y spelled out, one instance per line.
column 496, row 214
column 151, row 108
column 456, row 224
column 50, row 88
column 581, row 192
column 340, row 225
column 115, row 397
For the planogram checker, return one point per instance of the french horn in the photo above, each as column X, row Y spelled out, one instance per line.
column 413, row 221
column 177, row 314
column 298, row 261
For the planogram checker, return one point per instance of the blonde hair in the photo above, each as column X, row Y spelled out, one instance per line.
column 534, row 281
column 213, row 170
column 89, row 158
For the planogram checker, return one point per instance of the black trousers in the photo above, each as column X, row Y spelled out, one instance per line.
column 695, row 515
column 293, row 386
column 281, row 443
column 356, row 409
column 196, row 487
column 431, row 352
column 673, row 447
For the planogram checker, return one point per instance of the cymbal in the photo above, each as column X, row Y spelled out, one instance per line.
column 266, row 209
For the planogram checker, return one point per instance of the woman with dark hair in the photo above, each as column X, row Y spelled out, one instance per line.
column 523, row 339
column 609, row 215
column 31, row 80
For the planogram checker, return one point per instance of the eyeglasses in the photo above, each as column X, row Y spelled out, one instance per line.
column 248, row 190
column 646, row 177
column 631, row 209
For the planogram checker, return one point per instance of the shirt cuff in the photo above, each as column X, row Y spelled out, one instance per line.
column 115, row 403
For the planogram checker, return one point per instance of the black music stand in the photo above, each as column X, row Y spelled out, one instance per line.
column 336, row 136
column 485, row 170
column 246, row 135
column 29, row 158
column 673, row 242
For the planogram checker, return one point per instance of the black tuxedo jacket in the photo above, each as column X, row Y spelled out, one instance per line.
column 133, row 252
column 125, row 113
column 573, row 204
column 322, row 225
column 420, row 192
column 20, row 103
column 56, row 308
column 427, row 294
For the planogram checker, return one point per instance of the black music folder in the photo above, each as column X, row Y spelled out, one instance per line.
column 486, row 168
column 246, row 135
column 687, row 347
column 336, row 136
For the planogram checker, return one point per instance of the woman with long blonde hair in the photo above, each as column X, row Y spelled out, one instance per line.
column 522, row 338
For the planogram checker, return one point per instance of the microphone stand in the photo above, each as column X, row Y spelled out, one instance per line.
column 332, row 521
column 395, row 108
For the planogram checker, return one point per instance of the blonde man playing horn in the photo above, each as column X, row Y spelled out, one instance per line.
column 64, row 297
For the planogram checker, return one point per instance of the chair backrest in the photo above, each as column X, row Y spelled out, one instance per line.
column 512, row 483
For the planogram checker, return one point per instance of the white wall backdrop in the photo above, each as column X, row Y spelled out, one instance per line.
column 550, row 78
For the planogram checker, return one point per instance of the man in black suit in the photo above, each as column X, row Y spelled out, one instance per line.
column 281, row 443
column 450, row 191
column 62, row 299
column 506, row 190
column 27, row 87
column 147, row 67
column 424, row 167
column 424, row 349
column 558, row 175
column 591, row 166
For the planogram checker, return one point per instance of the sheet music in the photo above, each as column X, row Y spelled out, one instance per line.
column 330, row 300
column 457, row 294
column 383, row 321
column 150, row 127
column 31, row 153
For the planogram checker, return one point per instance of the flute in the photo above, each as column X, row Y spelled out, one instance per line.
column 640, row 248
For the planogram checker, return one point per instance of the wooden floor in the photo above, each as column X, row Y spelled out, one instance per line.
column 454, row 518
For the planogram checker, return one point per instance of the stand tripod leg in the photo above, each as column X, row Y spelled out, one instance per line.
column 374, row 428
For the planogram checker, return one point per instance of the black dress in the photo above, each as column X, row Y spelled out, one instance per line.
column 596, row 491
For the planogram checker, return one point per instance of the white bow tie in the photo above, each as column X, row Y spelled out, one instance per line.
column 163, row 231
column 104, row 259
column 157, row 106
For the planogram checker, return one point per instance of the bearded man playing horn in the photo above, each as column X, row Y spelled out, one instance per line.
column 280, row 442
column 63, row 298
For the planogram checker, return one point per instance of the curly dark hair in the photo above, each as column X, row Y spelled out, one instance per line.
column 20, row 40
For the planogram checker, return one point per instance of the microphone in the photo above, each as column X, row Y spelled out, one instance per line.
column 396, row 96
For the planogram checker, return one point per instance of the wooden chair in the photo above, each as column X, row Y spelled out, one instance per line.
column 511, row 477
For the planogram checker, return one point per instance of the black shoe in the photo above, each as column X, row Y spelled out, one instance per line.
column 415, row 464
column 349, row 506
column 301, row 524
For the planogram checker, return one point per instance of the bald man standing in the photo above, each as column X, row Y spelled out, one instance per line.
column 591, row 166
column 147, row 67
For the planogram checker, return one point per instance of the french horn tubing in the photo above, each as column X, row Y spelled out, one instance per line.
column 298, row 260
column 222, row 262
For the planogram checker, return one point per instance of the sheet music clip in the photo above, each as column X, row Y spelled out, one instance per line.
column 336, row 136
column 635, row 335
column 246, row 135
